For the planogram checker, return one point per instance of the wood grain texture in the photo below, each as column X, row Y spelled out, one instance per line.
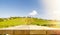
column 30, row 32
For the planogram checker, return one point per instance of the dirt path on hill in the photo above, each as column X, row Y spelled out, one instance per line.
column 29, row 27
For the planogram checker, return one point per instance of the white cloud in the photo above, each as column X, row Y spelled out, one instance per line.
column 52, row 8
column 33, row 13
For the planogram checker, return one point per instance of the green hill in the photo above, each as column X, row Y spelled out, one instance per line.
column 14, row 21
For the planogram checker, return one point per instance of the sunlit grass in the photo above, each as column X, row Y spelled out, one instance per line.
column 29, row 21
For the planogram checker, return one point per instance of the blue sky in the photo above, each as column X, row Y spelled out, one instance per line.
column 18, row 7
column 47, row 9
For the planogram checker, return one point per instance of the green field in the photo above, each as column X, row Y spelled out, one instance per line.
column 15, row 21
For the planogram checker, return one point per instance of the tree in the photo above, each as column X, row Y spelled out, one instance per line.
column 1, row 19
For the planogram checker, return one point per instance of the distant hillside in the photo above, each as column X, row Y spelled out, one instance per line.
column 14, row 21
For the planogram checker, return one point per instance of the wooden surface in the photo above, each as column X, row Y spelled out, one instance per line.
column 30, row 32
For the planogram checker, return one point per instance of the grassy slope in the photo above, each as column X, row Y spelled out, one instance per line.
column 26, row 21
column 11, row 22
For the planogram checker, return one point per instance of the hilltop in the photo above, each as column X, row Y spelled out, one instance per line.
column 15, row 21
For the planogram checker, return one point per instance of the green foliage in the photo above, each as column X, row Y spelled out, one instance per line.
column 14, row 21
column 1, row 19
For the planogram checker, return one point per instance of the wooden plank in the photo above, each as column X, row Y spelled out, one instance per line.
column 53, row 32
column 10, row 32
column 37, row 32
column 30, row 32
column 19, row 32
column 1, row 31
column 27, row 32
column 22, row 34
column 6, row 31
